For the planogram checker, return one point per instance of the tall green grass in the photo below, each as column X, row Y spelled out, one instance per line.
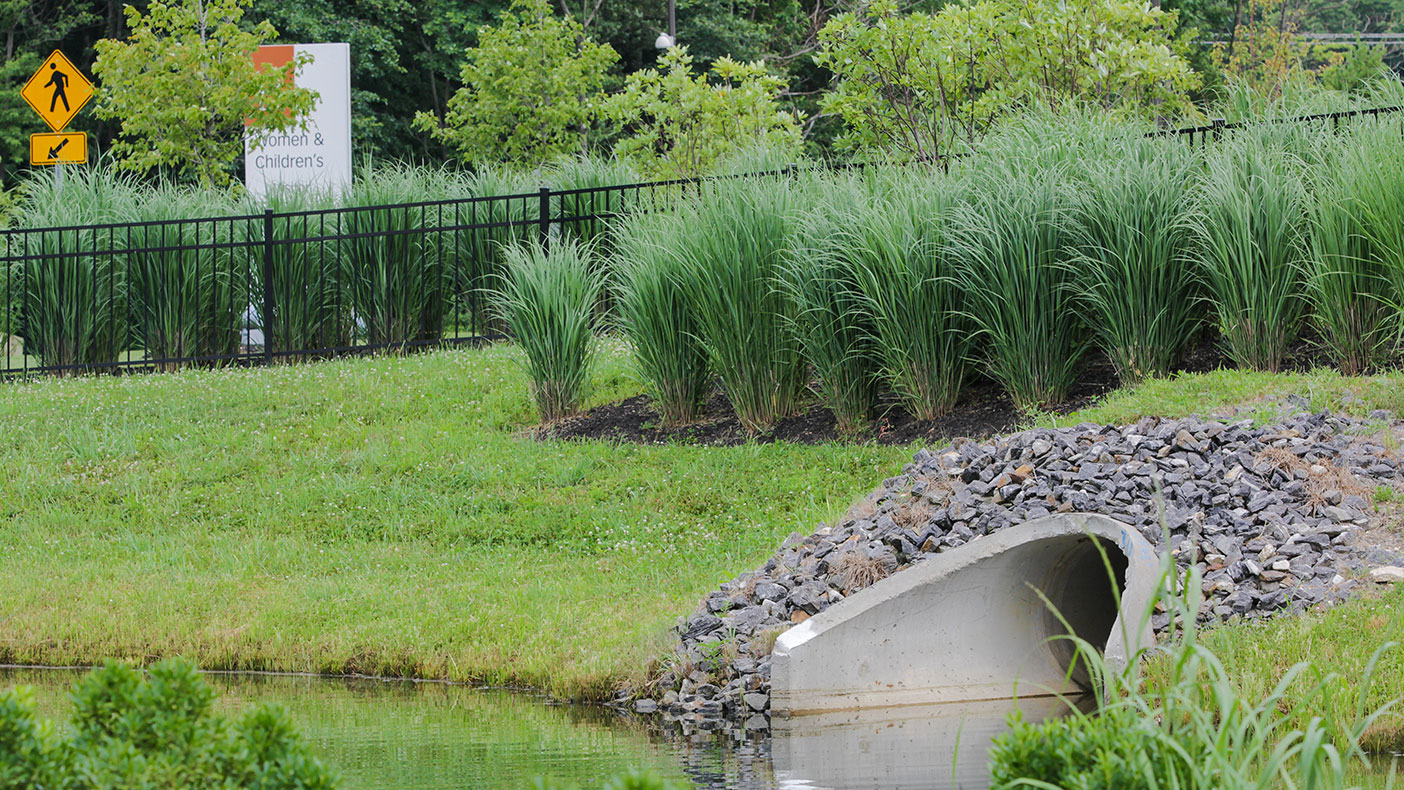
column 188, row 293
column 1132, row 274
column 733, row 238
column 312, row 306
column 654, row 312
column 396, row 280
column 1018, row 287
column 831, row 321
column 1250, row 225
column 71, row 296
column 547, row 298
column 896, row 239
column 1194, row 729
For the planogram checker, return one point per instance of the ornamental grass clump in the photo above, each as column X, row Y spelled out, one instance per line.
column 1356, row 271
column 733, row 240
column 1250, row 224
column 1192, row 728
column 1018, row 289
column 1133, row 278
column 831, row 320
column 546, row 298
column 309, row 279
column 654, row 312
column 898, row 250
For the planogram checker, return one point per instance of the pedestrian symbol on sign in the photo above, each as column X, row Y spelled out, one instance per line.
column 57, row 91
column 60, row 81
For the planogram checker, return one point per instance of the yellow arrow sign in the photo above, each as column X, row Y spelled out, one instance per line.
column 68, row 148
column 57, row 91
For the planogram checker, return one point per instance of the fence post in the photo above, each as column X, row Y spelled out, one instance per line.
column 1218, row 128
column 544, row 217
column 268, row 286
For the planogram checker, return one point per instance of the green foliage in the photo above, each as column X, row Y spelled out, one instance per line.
column 680, row 125
column 914, row 85
column 1194, row 729
column 1249, row 224
column 655, row 314
column 153, row 730
column 1017, row 286
column 733, row 239
column 531, row 90
column 1133, row 275
column 186, row 90
column 311, row 303
column 547, row 300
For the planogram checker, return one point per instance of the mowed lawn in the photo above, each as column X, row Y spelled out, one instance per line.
column 395, row 516
column 381, row 516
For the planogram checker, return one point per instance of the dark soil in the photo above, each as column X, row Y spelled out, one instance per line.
column 982, row 411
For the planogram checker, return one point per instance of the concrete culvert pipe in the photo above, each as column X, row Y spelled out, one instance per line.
column 969, row 625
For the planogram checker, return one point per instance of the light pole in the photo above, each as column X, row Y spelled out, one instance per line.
column 669, row 39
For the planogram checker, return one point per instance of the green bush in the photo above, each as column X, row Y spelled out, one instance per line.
column 152, row 730
column 547, row 298
column 655, row 314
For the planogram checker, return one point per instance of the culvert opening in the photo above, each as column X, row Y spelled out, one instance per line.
column 1084, row 587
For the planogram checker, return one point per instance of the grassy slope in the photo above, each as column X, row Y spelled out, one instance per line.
column 391, row 516
column 382, row 516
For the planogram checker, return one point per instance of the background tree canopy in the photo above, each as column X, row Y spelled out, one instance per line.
column 408, row 56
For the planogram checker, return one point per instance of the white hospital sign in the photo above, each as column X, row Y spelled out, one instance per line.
column 319, row 156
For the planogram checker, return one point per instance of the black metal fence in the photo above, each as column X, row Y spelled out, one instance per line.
column 262, row 288
column 1216, row 129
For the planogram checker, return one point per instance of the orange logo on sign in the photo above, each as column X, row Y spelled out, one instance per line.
column 57, row 91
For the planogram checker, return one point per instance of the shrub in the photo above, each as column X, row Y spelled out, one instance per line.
column 1250, row 224
column 1018, row 289
column 1133, row 277
column 900, row 253
column 311, row 304
column 153, row 730
column 547, row 298
column 656, row 315
column 733, row 238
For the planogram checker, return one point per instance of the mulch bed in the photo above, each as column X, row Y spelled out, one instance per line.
column 982, row 411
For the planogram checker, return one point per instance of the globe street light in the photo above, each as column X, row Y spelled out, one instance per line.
column 669, row 39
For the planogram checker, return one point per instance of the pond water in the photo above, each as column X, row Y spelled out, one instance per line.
column 397, row 735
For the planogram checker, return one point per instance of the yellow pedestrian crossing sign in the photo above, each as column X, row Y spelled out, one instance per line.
column 57, row 91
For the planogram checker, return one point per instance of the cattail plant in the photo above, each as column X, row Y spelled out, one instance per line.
column 655, row 314
column 1250, row 226
column 1133, row 279
column 546, row 299
column 1018, row 288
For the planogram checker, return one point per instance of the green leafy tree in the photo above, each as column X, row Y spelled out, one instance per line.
column 678, row 125
column 913, row 85
column 532, row 90
column 185, row 88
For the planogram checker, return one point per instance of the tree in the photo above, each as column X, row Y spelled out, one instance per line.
column 911, row 85
column 680, row 125
column 532, row 89
column 185, row 88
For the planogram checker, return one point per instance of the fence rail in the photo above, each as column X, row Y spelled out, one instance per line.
column 280, row 286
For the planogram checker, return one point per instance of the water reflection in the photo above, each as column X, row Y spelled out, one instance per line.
column 431, row 736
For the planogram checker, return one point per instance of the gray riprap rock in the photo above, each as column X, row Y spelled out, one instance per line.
column 1387, row 574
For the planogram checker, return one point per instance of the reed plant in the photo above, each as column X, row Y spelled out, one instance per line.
column 546, row 298
column 69, row 293
column 1018, row 288
column 898, row 250
column 655, row 314
column 312, row 306
column 187, row 294
column 1250, row 223
column 1133, row 278
column 831, row 319
column 502, row 213
column 395, row 278
column 1193, row 729
column 733, row 239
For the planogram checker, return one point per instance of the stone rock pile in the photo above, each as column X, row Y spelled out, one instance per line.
column 1266, row 512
